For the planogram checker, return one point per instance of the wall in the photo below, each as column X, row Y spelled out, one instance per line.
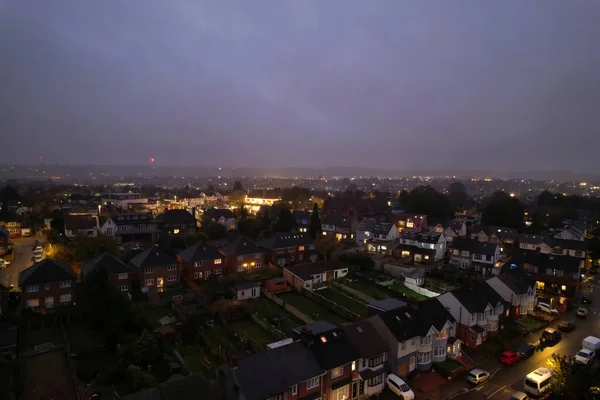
column 160, row 272
column 397, row 271
column 54, row 291
column 207, row 266
column 420, row 290
column 355, row 292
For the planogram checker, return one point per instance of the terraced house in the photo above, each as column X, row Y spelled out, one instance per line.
column 155, row 269
column 48, row 284
column 289, row 248
column 201, row 261
column 243, row 255
column 517, row 290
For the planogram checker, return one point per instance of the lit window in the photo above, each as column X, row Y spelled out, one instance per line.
column 65, row 284
column 33, row 288
column 123, row 276
column 176, row 231
column 353, row 365
column 65, row 298
column 337, row 372
column 197, row 275
column 563, row 288
column 123, row 288
column 218, row 261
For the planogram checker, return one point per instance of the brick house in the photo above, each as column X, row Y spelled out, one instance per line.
column 555, row 275
column 314, row 275
column 289, row 248
column 177, row 221
column 201, row 261
column 47, row 284
column 119, row 273
column 243, row 255
column 11, row 221
column 155, row 269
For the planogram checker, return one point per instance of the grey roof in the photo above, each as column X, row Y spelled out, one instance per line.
column 551, row 241
column 386, row 304
column 266, row 374
column 540, row 260
column 366, row 225
column 333, row 349
column 430, row 313
column 365, row 339
column 429, row 237
column 107, row 262
column 382, row 228
column 176, row 217
column 306, row 271
column 216, row 213
column 316, row 327
column 519, row 285
column 287, row 239
column 477, row 297
column 8, row 336
column 200, row 252
column 241, row 247
column 400, row 322
column 488, row 249
column 46, row 271
column 244, row 285
column 151, row 258
column 189, row 387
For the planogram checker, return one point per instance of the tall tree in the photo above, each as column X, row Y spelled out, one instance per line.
column 545, row 198
column 237, row 195
column 315, row 228
column 457, row 193
column 503, row 210
column 285, row 221
column 403, row 198
column 426, row 200
column 326, row 245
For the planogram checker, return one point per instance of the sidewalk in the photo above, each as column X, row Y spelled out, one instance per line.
column 432, row 386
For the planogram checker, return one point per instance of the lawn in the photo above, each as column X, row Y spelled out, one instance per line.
column 194, row 356
column 401, row 288
column 311, row 309
column 370, row 289
column 254, row 331
column 267, row 309
column 341, row 298
column 153, row 314
column 531, row 324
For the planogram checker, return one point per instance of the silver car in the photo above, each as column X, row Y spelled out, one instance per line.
column 477, row 376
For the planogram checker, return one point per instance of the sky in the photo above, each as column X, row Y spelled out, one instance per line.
column 506, row 85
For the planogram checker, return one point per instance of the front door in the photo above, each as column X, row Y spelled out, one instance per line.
column 160, row 283
column 412, row 364
column 342, row 393
column 403, row 369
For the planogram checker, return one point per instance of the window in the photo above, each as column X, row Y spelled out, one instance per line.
column 300, row 257
column 403, row 346
column 171, row 278
column 364, row 363
column 171, row 267
column 197, row 275
column 257, row 265
column 443, row 334
column 425, row 341
column 312, row 247
column 578, row 253
column 258, row 255
column 240, row 258
column 33, row 288
column 198, row 264
column 294, row 390
column 217, row 271
column 439, row 351
column 301, row 248
column 424, row 358
column 49, row 302
column 337, row 372
column 279, row 251
column 374, row 381
column 353, row 362
column 123, row 276
column 47, row 286
column 240, row 268
column 149, row 282
column 312, row 383
column 413, row 341
column 65, row 298
column 218, row 261
column 375, row 361
column 32, row 303
column 123, row 288
column 149, row 270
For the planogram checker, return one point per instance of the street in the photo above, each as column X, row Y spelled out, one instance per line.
column 23, row 252
column 509, row 378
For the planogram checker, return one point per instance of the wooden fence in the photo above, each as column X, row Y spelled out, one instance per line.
column 293, row 310
column 268, row 327
column 331, row 305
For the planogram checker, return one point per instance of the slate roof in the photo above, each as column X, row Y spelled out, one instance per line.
column 107, row 262
column 364, row 337
column 200, row 252
column 400, row 322
column 316, row 327
column 333, row 349
column 430, row 313
column 176, row 217
column 241, row 247
column 544, row 261
column 189, row 388
column 501, row 232
column 266, row 374
column 305, row 271
column 216, row 213
column 382, row 228
column 151, row 258
column 245, row 285
column 489, row 249
column 336, row 220
column 430, row 237
column 46, row 271
column 287, row 239
column 386, row 304
column 366, row 225
column 551, row 241
column 477, row 297
column 519, row 285
column 456, row 226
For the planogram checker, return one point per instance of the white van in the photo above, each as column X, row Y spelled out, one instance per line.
column 545, row 307
column 591, row 343
column 399, row 387
column 538, row 382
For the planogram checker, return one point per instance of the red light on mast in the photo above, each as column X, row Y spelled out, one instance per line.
column 152, row 160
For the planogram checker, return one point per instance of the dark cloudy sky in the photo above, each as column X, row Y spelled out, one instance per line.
column 497, row 85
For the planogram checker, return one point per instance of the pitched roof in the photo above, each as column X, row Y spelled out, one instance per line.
column 305, row 271
column 9, row 216
column 551, row 241
column 188, row 388
column 216, row 213
column 153, row 257
column 382, row 228
column 400, row 322
column 107, row 262
column 519, row 285
column 366, row 225
column 364, row 337
column 200, row 252
column 46, row 271
column 241, row 247
column 79, row 222
column 430, row 313
column 500, row 232
column 125, row 219
column 540, row 260
column 333, row 349
column 176, row 217
column 266, row 374
column 336, row 220
column 428, row 237
column 477, row 297
column 489, row 249
column 386, row 304
column 315, row 327
column 287, row 239
column 245, row 285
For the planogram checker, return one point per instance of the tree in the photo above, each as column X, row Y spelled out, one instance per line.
column 237, row 195
column 359, row 260
column 545, row 199
column 403, row 199
column 213, row 230
column 137, row 379
column 58, row 224
column 86, row 247
column 325, row 245
column 237, row 187
column 570, row 381
column 426, row 200
column 503, row 210
column 144, row 349
column 191, row 328
column 457, row 193
column 315, row 228
column 285, row 221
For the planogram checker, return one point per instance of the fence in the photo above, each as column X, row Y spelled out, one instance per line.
column 355, row 292
column 420, row 290
column 255, row 347
column 293, row 310
column 268, row 327
column 331, row 305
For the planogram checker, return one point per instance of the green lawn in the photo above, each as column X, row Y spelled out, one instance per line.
column 370, row 289
column 311, row 309
column 153, row 314
column 530, row 323
column 267, row 309
column 254, row 331
column 340, row 297
column 401, row 288
column 194, row 356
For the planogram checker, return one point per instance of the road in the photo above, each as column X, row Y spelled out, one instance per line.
column 509, row 378
column 23, row 252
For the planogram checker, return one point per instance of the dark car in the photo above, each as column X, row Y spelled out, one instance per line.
column 525, row 350
column 566, row 326
column 550, row 337
column 585, row 299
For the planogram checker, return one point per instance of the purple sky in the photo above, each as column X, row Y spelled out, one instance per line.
column 498, row 85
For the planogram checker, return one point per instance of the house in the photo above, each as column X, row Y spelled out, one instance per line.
column 155, row 269
column 243, row 255
column 302, row 220
column 11, row 221
column 315, row 275
column 8, row 343
column 253, row 202
column 477, row 309
column 456, row 229
column 554, row 274
column 125, row 201
column 482, row 256
column 201, row 261
column 421, row 247
column 245, row 290
column 417, row 336
column 516, row 290
column 340, row 227
column 289, row 248
column 106, row 226
column 79, row 225
column 119, row 274
column 384, row 236
column 493, row 234
column 287, row 372
column 47, row 284
column 547, row 244
column 373, row 353
column 403, row 221
column 134, row 227
column 177, row 221
column 223, row 217
column 572, row 231
column 345, row 207
column 364, row 231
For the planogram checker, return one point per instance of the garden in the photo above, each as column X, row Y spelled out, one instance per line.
column 276, row 315
column 340, row 297
column 401, row 288
column 314, row 311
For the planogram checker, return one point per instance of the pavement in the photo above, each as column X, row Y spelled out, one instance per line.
column 507, row 379
column 23, row 253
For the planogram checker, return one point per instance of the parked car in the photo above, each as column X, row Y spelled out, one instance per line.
column 525, row 350
column 566, row 326
column 399, row 387
column 545, row 307
column 585, row 356
column 509, row 357
column 518, row 396
column 586, row 299
column 582, row 312
column 550, row 337
column 478, row 376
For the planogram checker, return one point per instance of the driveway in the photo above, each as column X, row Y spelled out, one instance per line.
column 23, row 252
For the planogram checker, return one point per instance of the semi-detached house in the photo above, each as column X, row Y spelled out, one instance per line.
column 47, row 284
column 289, row 248
column 517, row 290
column 243, row 255
column 201, row 261
column 119, row 274
column 155, row 269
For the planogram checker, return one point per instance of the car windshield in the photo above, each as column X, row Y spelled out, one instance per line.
column 404, row 387
column 583, row 354
column 530, row 383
